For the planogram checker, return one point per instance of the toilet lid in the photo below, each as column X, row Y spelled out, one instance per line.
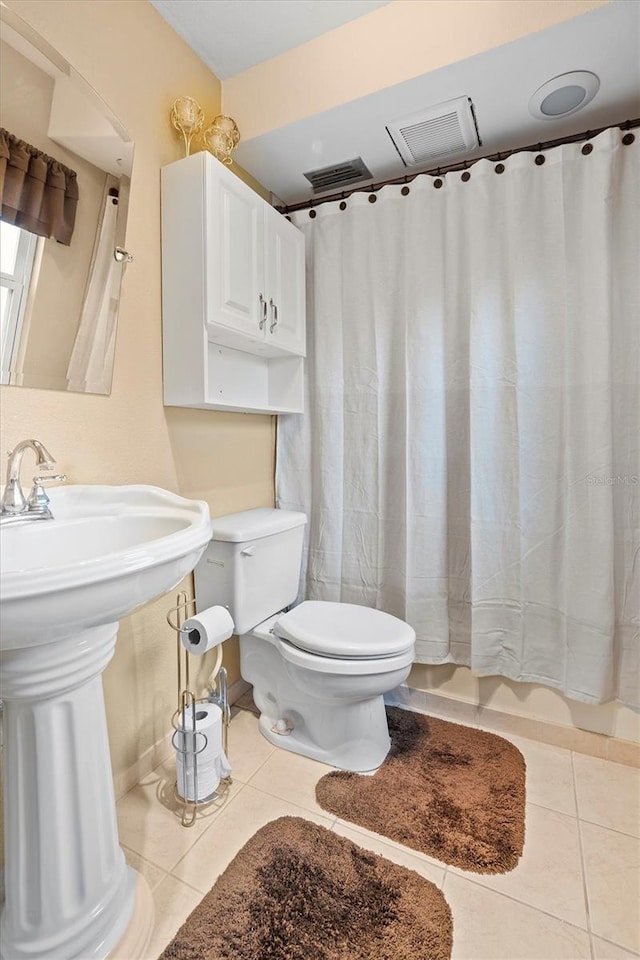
column 344, row 630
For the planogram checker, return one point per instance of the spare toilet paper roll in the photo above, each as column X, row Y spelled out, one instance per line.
column 206, row 630
column 208, row 722
column 207, row 741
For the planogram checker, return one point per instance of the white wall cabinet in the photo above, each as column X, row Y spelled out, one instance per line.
column 233, row 294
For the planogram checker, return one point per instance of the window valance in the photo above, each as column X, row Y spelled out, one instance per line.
column 37, row 192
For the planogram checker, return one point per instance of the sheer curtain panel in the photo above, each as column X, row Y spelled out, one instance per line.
column 469, row 460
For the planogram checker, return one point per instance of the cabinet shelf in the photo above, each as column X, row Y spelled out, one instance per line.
column 233, row 308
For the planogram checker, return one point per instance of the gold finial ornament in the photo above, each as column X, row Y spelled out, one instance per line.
column 221, row 138
column 187, row 116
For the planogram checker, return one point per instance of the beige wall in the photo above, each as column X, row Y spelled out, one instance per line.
column 138, row 64
column 404, row 39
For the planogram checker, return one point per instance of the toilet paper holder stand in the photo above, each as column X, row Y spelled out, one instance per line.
column 191, row 743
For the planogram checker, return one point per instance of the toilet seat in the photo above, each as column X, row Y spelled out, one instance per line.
column 344, row 631
column 341, row 666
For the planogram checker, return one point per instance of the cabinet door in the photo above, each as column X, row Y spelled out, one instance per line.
column 284, row 252
column 235, row 255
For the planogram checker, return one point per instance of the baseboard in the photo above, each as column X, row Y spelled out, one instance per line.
column 162, row 750
column 558, row 735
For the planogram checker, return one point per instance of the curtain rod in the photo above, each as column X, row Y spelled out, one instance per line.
column 461, row 165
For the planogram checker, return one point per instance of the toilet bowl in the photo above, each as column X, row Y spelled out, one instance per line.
column 319, row 669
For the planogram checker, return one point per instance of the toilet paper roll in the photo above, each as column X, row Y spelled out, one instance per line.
column 206, row 630
column 209, row 756
column 209, row 726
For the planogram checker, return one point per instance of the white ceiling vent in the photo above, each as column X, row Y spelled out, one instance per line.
column 446, row 130
column 339, row 175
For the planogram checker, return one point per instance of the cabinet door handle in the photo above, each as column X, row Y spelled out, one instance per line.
column 274, row 316
column 263, row 313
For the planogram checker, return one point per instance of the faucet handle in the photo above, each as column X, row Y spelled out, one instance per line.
column 54, row 478
column 38, row 501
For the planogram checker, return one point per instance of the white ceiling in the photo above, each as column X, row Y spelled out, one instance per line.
column 500, row 83
column 232, row 35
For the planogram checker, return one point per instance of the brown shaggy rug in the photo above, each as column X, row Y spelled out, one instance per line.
column 452, row 792
column 296, row 891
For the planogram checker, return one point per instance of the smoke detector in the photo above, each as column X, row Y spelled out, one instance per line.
column 442, row 131
column 563, row 95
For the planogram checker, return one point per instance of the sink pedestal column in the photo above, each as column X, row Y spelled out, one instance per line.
column 69, row 893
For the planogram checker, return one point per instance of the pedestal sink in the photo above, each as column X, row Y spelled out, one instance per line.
column 64, row 585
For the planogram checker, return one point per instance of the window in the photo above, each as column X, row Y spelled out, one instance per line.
column 17, row 251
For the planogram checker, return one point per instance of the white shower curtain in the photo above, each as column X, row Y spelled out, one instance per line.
column 469, row 458
column 91, row 362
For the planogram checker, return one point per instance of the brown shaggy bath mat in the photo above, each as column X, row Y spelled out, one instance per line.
column 296, row 891
column 452, row 792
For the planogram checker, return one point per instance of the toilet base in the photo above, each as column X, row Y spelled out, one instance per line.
column 327, row 709
column 336, row 747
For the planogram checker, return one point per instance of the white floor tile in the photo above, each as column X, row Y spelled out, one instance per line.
column 293, row 778
column 244, row 816
column 535, row 912
column 152, row 874
column 248, row 749
column 612, row 868
column 608, row 951
column 149, row 819
column 489, row 926
column 173, row 901
column 549, row 874
column 608, row 793
column 549, row 775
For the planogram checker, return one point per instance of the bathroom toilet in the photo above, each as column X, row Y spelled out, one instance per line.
column 320, row 669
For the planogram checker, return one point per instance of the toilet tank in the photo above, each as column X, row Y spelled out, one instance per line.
column 252, row 565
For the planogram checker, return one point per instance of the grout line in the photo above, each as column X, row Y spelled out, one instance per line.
column 604, row 826
column 274, row 796
column 523, row 903
column 190, row 886
column 541, row 806
column 612, row 943
column 582, row 863
column 257, row 769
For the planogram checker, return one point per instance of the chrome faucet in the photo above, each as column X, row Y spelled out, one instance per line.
column 14, row 505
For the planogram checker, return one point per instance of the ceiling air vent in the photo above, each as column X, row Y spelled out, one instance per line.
column 339, row 175
column 446, row 130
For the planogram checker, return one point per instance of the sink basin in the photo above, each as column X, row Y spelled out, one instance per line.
column 64, row 585
column 108, row 550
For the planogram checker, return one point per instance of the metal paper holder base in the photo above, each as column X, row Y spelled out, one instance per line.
column 187, row 701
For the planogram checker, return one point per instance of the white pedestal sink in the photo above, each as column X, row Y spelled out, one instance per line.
column 65, row 583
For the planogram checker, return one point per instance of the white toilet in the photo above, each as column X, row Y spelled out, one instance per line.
column 319, row 671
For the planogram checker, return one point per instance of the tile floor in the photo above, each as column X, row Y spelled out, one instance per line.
column 574, row 895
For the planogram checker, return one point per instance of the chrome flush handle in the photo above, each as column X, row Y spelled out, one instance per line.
column 274, row 316
column 263, row 313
